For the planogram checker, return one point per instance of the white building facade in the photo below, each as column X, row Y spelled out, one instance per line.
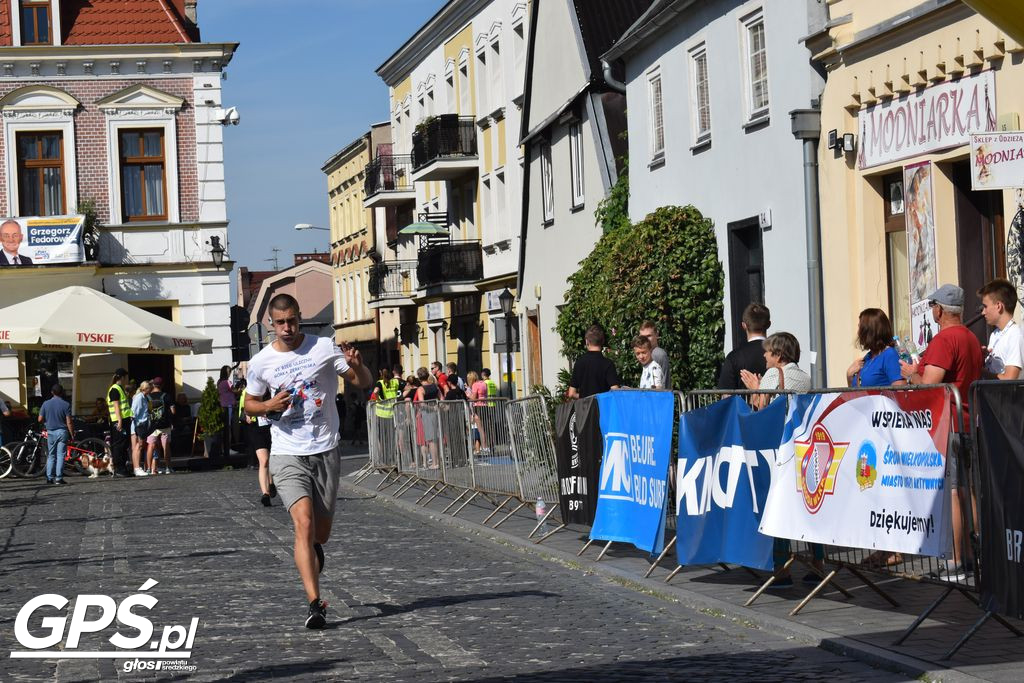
column 711, row 87
column 139, row 124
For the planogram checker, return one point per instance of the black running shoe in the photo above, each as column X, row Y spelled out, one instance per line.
column 61, row 482
column 319, row 550
column 265, row 499
column 273, row 491
column 317, row 614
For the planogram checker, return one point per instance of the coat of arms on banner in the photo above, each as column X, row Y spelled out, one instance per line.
column 867, row 465
column 819, row 459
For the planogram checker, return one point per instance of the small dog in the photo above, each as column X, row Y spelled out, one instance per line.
column 96, row 464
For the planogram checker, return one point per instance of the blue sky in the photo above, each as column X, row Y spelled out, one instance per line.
column 304, row 83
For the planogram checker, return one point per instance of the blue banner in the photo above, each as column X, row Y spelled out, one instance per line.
column 726, row 457
column 636, row 427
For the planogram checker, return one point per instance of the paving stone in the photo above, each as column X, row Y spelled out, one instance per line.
column 409, row 599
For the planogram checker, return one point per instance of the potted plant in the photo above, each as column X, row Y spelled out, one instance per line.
column 211, row 420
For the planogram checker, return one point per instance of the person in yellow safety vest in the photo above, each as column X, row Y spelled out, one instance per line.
column 492, row 386
column 120, row 411
column 384, row 394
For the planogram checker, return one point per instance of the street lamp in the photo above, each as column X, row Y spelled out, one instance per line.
column 216, row 251
column 310, row 226
column 506, row 299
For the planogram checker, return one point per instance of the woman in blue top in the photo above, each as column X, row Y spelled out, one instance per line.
column 880, row 366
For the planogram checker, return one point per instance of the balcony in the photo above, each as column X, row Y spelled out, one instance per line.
column 444, row 148
column 392, row 284
column 449, row 268
column 389, row 181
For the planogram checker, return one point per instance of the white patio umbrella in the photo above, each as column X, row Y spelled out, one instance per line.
column 79, row 319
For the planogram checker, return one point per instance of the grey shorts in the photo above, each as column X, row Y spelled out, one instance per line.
column 308, row 476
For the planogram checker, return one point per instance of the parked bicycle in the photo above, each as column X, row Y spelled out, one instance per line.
column 6, row 461
column 28, row 457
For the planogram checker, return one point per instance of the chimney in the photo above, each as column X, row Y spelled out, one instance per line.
column 190, row 11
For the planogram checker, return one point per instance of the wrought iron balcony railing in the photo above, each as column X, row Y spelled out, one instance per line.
column 388, row 173
column 393, row 280
column 449, row 263
column 444, row 136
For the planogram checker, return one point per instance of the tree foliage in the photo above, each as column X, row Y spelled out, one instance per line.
column 211, row 414
column 666, row 269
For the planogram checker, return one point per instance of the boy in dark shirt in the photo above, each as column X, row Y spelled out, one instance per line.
column 592, row 373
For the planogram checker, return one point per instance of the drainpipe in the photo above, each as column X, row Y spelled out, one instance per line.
column 612, row 82
column 806, row 127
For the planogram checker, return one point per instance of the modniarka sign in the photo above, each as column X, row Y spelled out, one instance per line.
column 928, row 120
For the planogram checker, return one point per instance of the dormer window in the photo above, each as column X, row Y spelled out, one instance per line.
column 36, row 27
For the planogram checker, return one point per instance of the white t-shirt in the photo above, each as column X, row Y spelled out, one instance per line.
column 653, row 377
column 1005, row 349
column 310, row 372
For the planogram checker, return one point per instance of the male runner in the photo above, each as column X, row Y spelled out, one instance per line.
column 301, row 371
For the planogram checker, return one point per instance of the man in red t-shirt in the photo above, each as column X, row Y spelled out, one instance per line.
column 952, row 357
column 442, row 379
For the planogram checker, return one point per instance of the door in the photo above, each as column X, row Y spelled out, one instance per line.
column 746, row 272
column 980, row 247
column 146, row 366
column 536, row 364
column 470, row 358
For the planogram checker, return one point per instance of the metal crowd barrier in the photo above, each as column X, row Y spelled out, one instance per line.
column 533, row 449
column 406, row 447
column 381, row 441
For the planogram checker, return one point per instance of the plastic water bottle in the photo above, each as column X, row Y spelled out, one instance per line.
column 902, row 350
column 912, row 349
column 542, row 512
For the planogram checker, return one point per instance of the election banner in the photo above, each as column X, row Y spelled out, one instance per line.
column 999, row 409
column 636, row 427
column 864, row 470
column 42, row 241
column 578, row 447
column 726, row 458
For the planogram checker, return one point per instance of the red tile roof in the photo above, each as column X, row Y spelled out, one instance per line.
column 5, row 23
column 122, row 22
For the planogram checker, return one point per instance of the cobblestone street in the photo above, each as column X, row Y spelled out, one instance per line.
column 408, row 600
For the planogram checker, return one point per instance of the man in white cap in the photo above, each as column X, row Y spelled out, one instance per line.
column 953, row 357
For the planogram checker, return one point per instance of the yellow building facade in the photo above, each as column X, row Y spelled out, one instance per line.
column 455, row 89
column 353, row 241
column 907, row 84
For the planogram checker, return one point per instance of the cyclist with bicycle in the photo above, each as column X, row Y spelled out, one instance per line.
column 55, row 414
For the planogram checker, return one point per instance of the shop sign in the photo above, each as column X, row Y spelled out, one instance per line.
column 435, row 310
column 997, row 160
column 929, row 120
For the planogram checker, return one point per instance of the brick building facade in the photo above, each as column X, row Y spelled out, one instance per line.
column 129, row 99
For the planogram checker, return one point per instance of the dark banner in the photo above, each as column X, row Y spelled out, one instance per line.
column 578, row 447
column 998, row 409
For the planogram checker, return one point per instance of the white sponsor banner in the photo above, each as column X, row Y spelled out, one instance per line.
column 864, row 471
column 42, row 241
column 997, row 160
column 927, row 120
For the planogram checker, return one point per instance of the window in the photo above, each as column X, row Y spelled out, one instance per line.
column 576, row 163
column 547, row 182
column 464, row 106
column 497, row 84
column 143, row 186
column 896, row 253
column 519, row 54
column 757, row 68
column 499, row 204
column 487, row 206
column 449, row 92
column 481, row 82
column 657, row 119
column 35, row 22
column 41, row 173
column 701, row 95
